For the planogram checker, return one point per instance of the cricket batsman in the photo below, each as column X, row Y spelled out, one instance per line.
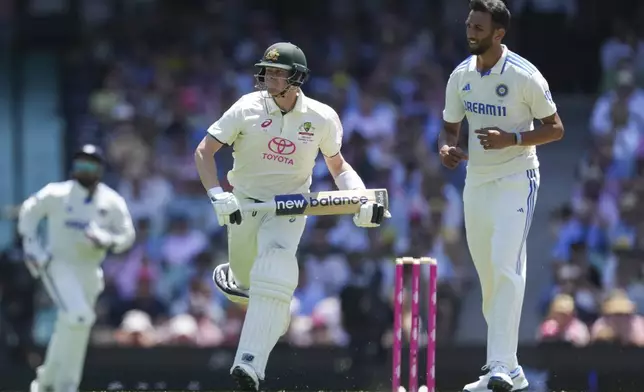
column 85, row 220
column 500, row 93
column 276, row 134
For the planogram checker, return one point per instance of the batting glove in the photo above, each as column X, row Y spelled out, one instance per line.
column 36, row 258
column 226, row 207
column 100, row 237
column 370, row 215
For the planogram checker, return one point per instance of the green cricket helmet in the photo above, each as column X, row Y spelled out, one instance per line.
column 284, row 55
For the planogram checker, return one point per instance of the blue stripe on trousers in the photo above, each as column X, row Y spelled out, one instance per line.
column 532, row 197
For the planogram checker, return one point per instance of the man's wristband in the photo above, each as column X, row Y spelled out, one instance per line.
column 518, row 138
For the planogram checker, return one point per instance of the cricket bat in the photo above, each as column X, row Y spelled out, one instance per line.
column 322, row 203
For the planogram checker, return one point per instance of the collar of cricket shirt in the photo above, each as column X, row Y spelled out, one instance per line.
column 498, row 68
column 300, row 104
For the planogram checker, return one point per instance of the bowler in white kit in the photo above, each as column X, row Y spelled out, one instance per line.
column 85, row 220
column 501, row 94
column 276, row 134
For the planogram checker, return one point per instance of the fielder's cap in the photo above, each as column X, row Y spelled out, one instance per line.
column 90, row 151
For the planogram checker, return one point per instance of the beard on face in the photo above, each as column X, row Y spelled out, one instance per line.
column 87, row 181
column 481, row 46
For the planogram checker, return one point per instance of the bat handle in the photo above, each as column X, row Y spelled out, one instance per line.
column 267, row 206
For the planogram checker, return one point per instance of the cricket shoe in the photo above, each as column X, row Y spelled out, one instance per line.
column 245, row 377
column 225, row 282
column 491, row 380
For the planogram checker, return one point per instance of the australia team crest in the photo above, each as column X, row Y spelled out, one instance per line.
column 305, row 132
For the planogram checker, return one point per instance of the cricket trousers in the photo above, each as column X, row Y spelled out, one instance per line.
column 498, row 215
column 73, row 287
column 262, row 255
column 258, row 233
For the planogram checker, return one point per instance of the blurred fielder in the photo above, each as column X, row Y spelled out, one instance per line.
column 500, row 93
column 85, row 220
column 276, row 134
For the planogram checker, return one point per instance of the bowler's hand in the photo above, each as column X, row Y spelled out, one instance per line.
column 36, row 258
column 452, row 156
column 493, row 138
column 99, row 237
column 370, row 215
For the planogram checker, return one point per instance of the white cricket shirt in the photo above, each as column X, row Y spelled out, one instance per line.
column 275, row 153
column 509, row 96
column 69, row 212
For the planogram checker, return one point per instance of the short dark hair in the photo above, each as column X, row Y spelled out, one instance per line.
column 496, row 8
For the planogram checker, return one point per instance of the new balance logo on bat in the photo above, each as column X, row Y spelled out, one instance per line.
column 290, row 204
column 297, row 204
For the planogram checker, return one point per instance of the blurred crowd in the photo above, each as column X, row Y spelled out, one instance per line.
column 147, row 93
column 598, row 294
column 146, row 86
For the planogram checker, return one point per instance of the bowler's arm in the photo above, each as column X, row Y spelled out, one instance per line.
column 453, row 114
column 539, row 99
column 449, row 134
column 32, row 211
column 550, row 130
column 123, row 234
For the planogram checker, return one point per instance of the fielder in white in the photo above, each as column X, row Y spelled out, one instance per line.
column 276, row 134
column 85, row 219
column 501, row 94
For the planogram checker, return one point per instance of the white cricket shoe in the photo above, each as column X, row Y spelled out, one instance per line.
column 246, row 377
column 496, row 380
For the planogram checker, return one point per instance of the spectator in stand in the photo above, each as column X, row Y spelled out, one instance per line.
column 136, row 330
column 619, row 324
column 562, row 325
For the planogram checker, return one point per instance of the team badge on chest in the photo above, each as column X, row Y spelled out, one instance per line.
column 502, row 90
column 305, row 132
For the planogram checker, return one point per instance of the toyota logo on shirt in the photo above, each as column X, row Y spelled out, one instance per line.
column 280, row 150
column 281, row 146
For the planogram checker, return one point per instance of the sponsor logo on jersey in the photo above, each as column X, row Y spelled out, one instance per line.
column 76, row 224
column 280, row 149
column 485, row 109
column 296, row 204
column 267, row 123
